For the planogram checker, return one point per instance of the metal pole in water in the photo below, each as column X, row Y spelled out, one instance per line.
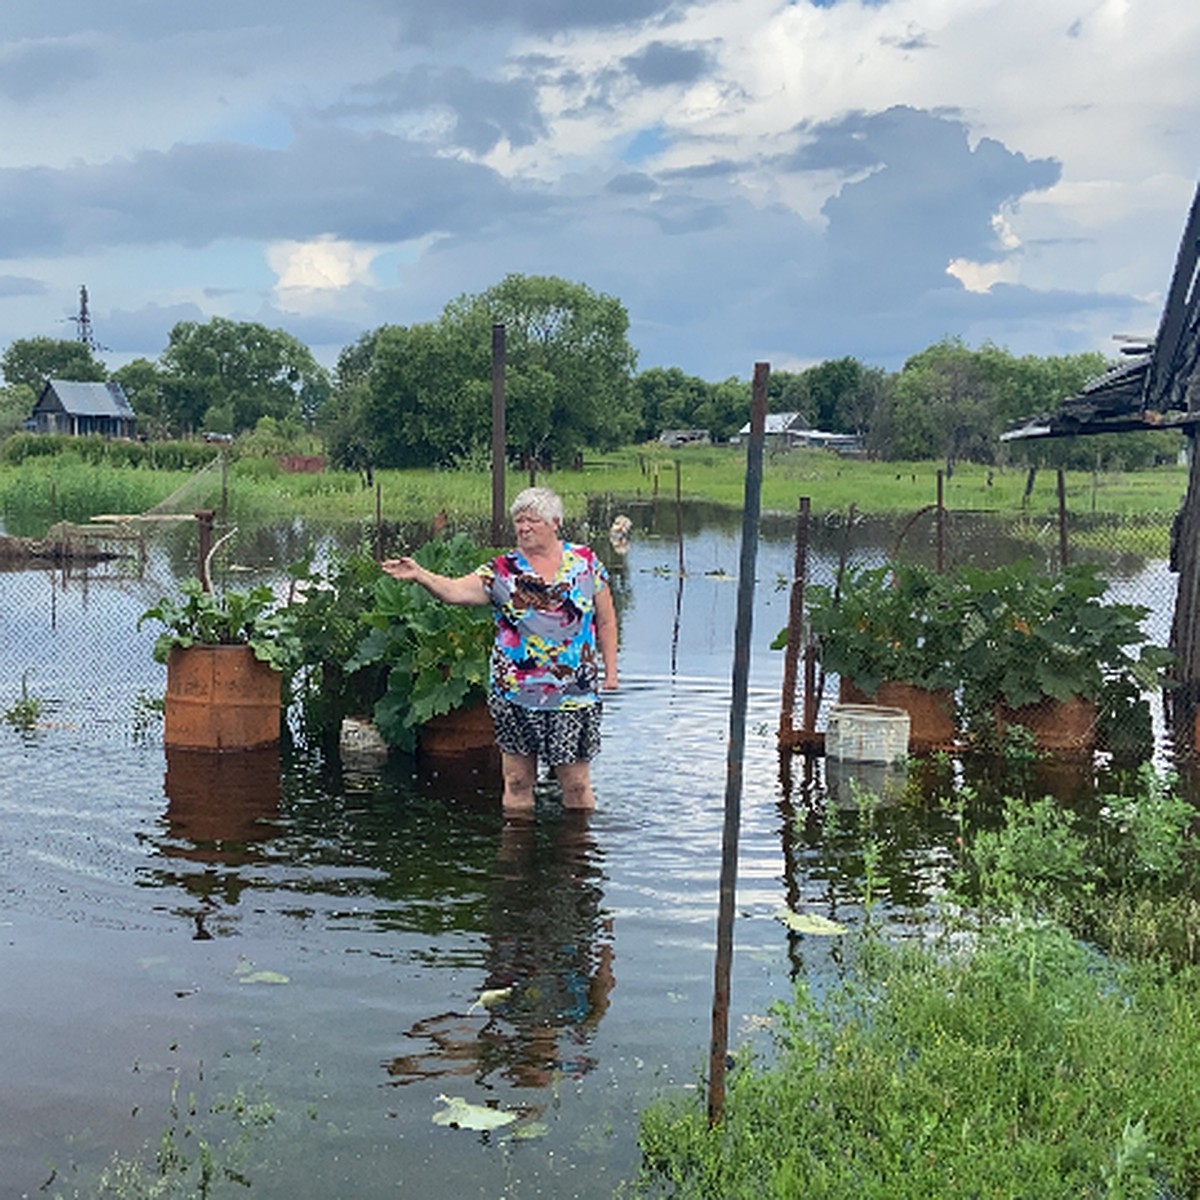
column 498, row 434
column 737, row 745
column 791, row 658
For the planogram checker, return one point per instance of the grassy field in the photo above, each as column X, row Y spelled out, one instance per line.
column 39, row 491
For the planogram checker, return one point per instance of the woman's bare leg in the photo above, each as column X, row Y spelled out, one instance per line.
column 576, row 782
column 520, row 774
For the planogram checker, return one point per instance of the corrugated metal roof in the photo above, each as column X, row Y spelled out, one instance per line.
column 92, row 399
column 779, row 423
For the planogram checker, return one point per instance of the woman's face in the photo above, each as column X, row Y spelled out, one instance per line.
column 532, row 530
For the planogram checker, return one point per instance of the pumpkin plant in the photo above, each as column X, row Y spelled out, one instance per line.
column 1028, row 637
column 900, row 623
column 253, row 617
column 437, row 655
column 329, row 616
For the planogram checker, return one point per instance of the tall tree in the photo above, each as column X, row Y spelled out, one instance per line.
column 225, row 375
column 142, row 383
column 944, row 406
column 16, row 403
column 669, row 399
column 569, row 364
column 32, row 361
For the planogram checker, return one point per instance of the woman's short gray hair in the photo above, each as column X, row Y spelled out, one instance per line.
column 540, row 501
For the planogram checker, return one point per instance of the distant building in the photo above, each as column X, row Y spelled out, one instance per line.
column 68, row 406
column 791, row 429
column 785, row 428
column 684, row 437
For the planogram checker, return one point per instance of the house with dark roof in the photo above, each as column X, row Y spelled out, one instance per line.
column 69, row 406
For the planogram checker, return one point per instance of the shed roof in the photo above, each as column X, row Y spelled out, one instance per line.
column 88, row 399
column 1155, row 387
column 780, row 423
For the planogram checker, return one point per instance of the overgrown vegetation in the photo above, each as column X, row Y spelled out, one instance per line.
column 198, row 617
column 203, row 1150
column 435, row 656
column 1038, row 1040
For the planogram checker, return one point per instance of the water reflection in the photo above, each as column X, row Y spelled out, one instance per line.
column 548, row 967
column 220, row 807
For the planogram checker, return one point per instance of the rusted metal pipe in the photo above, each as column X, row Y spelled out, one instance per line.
column 1063, row 547
column 737, row 745
column 204, row 525
column 499, row 521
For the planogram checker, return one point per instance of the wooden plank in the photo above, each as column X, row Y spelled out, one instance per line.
column 1166, row 364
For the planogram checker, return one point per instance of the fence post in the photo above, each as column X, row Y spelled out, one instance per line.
column 499, row 435
column 1062, row 519
column 736, row 748
column 204, row 523
column 795, row 627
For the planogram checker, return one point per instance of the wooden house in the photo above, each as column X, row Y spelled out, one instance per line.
column 791, row 429
column 72, row 407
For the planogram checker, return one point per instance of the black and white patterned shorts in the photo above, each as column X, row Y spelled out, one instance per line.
column 554, row 736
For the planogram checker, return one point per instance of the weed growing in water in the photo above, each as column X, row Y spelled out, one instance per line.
column 194, row 1156
column 25, row 713
column 1000, row 1055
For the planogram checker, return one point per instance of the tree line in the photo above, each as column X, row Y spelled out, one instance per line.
column 421, row 394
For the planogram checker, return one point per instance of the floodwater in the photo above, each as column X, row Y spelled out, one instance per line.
column 302, row 948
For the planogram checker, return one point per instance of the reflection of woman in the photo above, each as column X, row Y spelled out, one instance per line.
column 553, row 610
column 552, row 946
column 549, row 967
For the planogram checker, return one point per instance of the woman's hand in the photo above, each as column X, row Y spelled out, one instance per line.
column 465, row 589
column 402, row 568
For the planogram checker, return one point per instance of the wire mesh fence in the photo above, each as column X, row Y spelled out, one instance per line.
column 1131, row 558
column 69, row 611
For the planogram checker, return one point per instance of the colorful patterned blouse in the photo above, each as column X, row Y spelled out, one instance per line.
column 545, row 652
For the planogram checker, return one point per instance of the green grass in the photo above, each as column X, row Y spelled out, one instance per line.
column 68, row 486
column 1027, row 1067
column 1000, row 1054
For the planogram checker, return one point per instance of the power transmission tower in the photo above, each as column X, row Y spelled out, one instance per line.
column 83, row 323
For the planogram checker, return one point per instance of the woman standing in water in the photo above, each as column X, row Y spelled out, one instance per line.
column 554, row 610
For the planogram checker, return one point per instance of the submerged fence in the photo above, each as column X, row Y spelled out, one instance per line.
column 68, row 619
column 1132, row 557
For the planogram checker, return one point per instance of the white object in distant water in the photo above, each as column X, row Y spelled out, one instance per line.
column 619, row 533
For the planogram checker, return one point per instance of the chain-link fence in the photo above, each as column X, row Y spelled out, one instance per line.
column 69, row 606
column 1130, row 556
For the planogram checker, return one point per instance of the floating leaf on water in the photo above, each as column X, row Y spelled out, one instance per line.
column 245, row 973
column 264, row 977
column 812, row 923
column 461, row 1114
column 489, row 998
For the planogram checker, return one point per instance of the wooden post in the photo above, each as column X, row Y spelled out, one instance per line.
column 1185, row 625
column 791, row 658
column 1063, row 547
column 499, row 521
column 378, row 523
column 679, row 511
column 941, row 523
column 204, row 524
column 736, row 747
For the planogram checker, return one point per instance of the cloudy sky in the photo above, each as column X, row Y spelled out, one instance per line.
column 756, row 180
